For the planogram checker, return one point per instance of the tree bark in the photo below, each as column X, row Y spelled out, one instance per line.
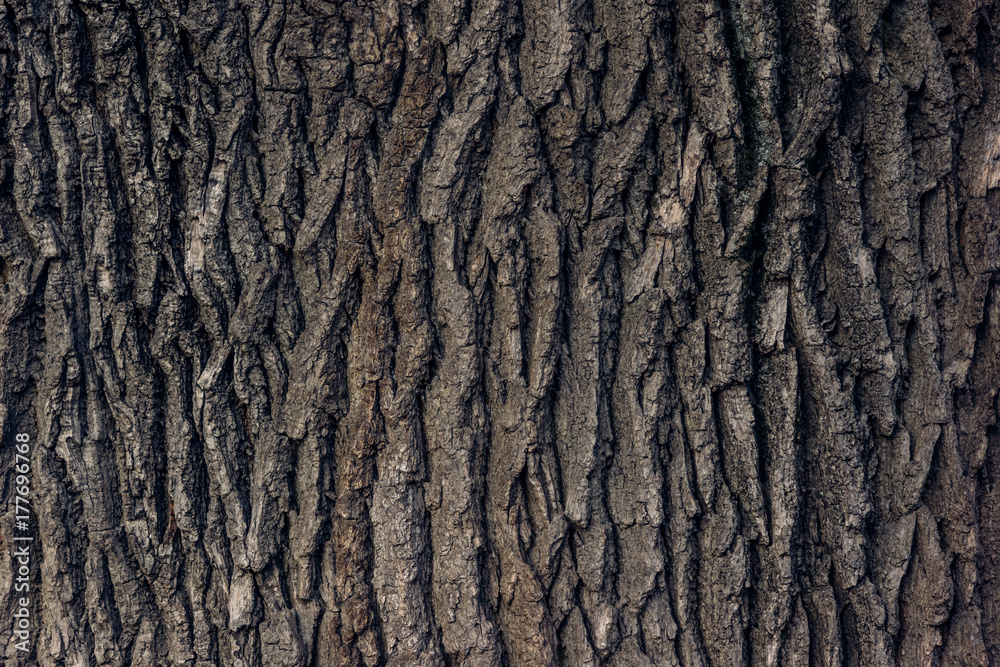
column 488, row 332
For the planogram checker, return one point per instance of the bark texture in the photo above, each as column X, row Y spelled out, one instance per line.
column 503, row 332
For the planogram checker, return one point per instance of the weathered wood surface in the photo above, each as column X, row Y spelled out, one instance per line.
column 504, row 332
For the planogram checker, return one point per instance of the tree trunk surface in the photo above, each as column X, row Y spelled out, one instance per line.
column 500, row 332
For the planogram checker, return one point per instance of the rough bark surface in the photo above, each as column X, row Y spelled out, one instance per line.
column 503, row 332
